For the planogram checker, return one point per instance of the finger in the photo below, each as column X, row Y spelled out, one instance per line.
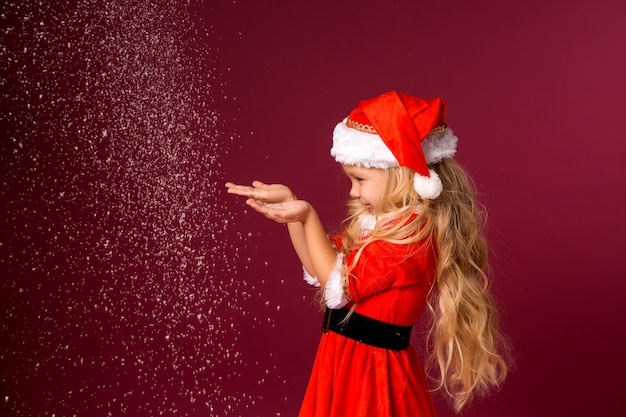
column 243, row 190
column 260, row 205
column 255, row 204
column 274, row 206
column 263, row 209
column 236, row 190
column 232, row 186
column 258, row 184
column 278, row 215
column 268, row 210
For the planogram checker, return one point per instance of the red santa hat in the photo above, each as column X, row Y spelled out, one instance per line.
column 396, row 129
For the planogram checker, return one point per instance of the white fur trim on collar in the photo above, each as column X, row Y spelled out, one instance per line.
column 367, row 222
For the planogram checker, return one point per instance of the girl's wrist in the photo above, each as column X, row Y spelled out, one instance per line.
column 309, row 211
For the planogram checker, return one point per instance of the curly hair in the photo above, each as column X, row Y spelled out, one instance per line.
column 467, row 353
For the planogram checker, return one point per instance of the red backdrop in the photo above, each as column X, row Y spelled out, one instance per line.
column 535, row 92
column 132, row 284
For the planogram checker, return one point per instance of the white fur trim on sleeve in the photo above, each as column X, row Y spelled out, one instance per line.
column 310, row 279
column 334, row 295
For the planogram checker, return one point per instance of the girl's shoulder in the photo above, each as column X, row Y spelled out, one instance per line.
column 396, row 250
column 388, row 251
column 396, row 238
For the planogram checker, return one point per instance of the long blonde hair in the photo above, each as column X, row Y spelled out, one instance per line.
column 467, row 354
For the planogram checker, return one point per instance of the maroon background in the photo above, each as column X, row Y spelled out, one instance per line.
column 536, row 91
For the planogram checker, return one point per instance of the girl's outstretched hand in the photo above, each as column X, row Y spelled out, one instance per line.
column 275, row 201
column 265, row 193
column 287, row 212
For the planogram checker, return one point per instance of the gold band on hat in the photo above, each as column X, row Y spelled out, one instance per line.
column 438, row 129
column 361, row 126
column 370, row 129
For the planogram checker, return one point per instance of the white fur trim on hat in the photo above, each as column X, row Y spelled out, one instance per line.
column 353, row 147
column 438, row 146
column 334, row 294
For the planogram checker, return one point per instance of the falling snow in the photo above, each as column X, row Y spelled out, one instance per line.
column 117, row 259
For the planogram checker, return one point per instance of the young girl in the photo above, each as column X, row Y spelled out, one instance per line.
column 411, row 242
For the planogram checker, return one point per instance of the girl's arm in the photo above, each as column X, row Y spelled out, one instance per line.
column 307, row 234
column 298, row 240
column 322, row 254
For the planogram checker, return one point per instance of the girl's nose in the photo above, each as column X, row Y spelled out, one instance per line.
column 354, row 192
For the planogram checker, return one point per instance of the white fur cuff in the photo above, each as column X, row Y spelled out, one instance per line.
column 334, row 295
column 310, row 279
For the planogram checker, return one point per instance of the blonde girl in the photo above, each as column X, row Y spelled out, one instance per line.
column 411, row 243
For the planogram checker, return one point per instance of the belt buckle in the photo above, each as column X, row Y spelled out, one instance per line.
column 326, row 322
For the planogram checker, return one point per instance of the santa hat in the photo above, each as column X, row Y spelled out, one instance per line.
column 396, row 129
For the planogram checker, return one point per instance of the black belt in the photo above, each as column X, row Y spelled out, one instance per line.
column 366, row 329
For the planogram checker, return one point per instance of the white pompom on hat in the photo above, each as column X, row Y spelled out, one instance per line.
column 396, row 129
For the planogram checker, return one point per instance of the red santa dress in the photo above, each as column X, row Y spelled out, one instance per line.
column 390, row 283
